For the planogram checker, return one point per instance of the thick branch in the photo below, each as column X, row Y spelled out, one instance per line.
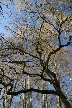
column 58, row 49
column 17, row 62
column 34, row 90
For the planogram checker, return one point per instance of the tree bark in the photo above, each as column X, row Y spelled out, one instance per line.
column 65, row 101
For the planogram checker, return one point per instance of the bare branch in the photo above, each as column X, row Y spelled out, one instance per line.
column 34, row 90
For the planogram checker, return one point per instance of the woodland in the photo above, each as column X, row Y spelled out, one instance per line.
column 36, row 54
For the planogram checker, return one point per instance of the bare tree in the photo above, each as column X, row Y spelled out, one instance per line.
column 35, row 62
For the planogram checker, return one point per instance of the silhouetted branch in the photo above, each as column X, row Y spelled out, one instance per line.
column 17, row 62
column 34, row 90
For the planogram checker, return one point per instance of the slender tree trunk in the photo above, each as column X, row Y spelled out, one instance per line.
column 59, row 102
column 24, row 99
column 10, row 101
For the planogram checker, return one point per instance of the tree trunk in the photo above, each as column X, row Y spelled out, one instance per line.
column 65, row 101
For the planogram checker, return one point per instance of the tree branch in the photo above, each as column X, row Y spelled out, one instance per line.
column 34, row 90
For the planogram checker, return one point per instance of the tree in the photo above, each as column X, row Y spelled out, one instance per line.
column 35, row 62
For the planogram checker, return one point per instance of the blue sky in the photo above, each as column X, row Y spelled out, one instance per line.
column 7, row 13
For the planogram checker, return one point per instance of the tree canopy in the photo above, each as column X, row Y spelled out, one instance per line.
column 36, row 54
